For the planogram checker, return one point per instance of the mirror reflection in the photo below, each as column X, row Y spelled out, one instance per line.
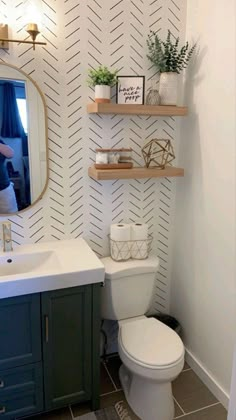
column 23, row 143
column 14, row 153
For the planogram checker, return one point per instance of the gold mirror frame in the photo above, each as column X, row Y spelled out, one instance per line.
column 46, row 140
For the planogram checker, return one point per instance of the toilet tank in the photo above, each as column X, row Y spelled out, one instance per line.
column 128, row 288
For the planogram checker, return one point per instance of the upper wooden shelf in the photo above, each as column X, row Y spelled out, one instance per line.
column 95, row 108
column 134, row 173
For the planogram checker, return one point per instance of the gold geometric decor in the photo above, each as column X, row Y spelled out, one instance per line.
column 158, row 152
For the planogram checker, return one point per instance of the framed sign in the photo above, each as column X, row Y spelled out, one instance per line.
column 130, row 90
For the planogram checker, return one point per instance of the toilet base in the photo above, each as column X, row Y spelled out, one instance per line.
column 148, row 399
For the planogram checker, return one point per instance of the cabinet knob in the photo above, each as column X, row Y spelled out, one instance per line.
column 2, row 383
column 2, row 409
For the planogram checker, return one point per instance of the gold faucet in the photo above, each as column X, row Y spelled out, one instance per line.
column 6, row 237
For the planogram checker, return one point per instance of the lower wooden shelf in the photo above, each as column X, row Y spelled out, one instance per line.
column 134, row 173
column 160, row 110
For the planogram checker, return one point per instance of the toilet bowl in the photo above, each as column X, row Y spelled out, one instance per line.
column 152, row 353
column 152, row 356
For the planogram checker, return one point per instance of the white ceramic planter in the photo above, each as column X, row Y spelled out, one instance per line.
column 102, row 94
column 168, row 88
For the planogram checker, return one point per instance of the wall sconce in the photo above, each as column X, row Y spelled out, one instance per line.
column 4, row 35
column 32, row 14
column 32, row 29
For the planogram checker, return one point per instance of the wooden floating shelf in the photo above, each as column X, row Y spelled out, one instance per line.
column 95, row 108
column 134, row 173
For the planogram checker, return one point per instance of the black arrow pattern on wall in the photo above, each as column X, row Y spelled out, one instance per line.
column 82, row 35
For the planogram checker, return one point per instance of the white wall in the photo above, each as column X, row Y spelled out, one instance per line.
column 204, row 284
column 79, row 36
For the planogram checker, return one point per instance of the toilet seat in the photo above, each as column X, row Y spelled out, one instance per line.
column 150, row 344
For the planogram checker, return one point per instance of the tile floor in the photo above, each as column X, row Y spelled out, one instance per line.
column 193, row 400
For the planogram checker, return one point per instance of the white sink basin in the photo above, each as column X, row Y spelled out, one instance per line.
column 48, row 266
column 25, row 263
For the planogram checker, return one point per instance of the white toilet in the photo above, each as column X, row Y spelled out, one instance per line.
column 152, row 353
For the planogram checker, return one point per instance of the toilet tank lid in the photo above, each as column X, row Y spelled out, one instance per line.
column 114, row 269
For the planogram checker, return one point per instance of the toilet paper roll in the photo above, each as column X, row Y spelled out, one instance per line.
column 139, row 231
column 120, row 232
column 120, row 241
column 101, row 158
column 113, row 158
column 139, row 234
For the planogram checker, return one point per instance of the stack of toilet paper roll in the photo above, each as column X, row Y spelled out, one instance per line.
column 129, row 241
column 139, row 237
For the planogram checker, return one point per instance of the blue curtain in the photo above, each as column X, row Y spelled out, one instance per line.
column 11, row 121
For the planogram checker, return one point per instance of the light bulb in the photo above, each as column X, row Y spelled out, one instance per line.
column 33, row 13
column 3, row 20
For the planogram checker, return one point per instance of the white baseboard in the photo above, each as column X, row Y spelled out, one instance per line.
column 232, row 403
column 207, row 379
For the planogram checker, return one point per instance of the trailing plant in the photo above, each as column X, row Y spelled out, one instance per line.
column 167, row 56
column 102, row 76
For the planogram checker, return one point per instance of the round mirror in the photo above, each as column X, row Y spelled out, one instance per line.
column 23, row 141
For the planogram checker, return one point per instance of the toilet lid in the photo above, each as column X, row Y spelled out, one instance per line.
column 151, row 343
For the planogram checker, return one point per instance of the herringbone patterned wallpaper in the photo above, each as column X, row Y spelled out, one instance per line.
column 83, row 34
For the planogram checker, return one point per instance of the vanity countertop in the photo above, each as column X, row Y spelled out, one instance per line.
column 48, row 266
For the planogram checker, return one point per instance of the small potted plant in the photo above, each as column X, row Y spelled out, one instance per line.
column 102, row 79
column 170, row 60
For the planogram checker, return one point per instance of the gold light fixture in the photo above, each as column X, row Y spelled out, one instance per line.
column 3, row 36
column 32, row 29
column 32, row 14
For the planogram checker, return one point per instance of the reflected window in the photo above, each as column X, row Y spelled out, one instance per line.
column 22, row 106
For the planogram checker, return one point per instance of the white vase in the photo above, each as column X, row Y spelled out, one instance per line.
column 168, row 88
column 102, row 94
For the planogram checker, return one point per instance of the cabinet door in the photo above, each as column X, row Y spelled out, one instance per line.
column 67, row 326
column 19, row 404
column 21, row 379
column 21, row 391
column 20, row 331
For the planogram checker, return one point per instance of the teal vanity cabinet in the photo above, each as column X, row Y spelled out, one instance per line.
column 67, row 345
column 49, row 350
column 20, row 331
column 21, row 381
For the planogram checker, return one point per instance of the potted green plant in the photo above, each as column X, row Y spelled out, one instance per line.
column 170, row 61
column 102, row 79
